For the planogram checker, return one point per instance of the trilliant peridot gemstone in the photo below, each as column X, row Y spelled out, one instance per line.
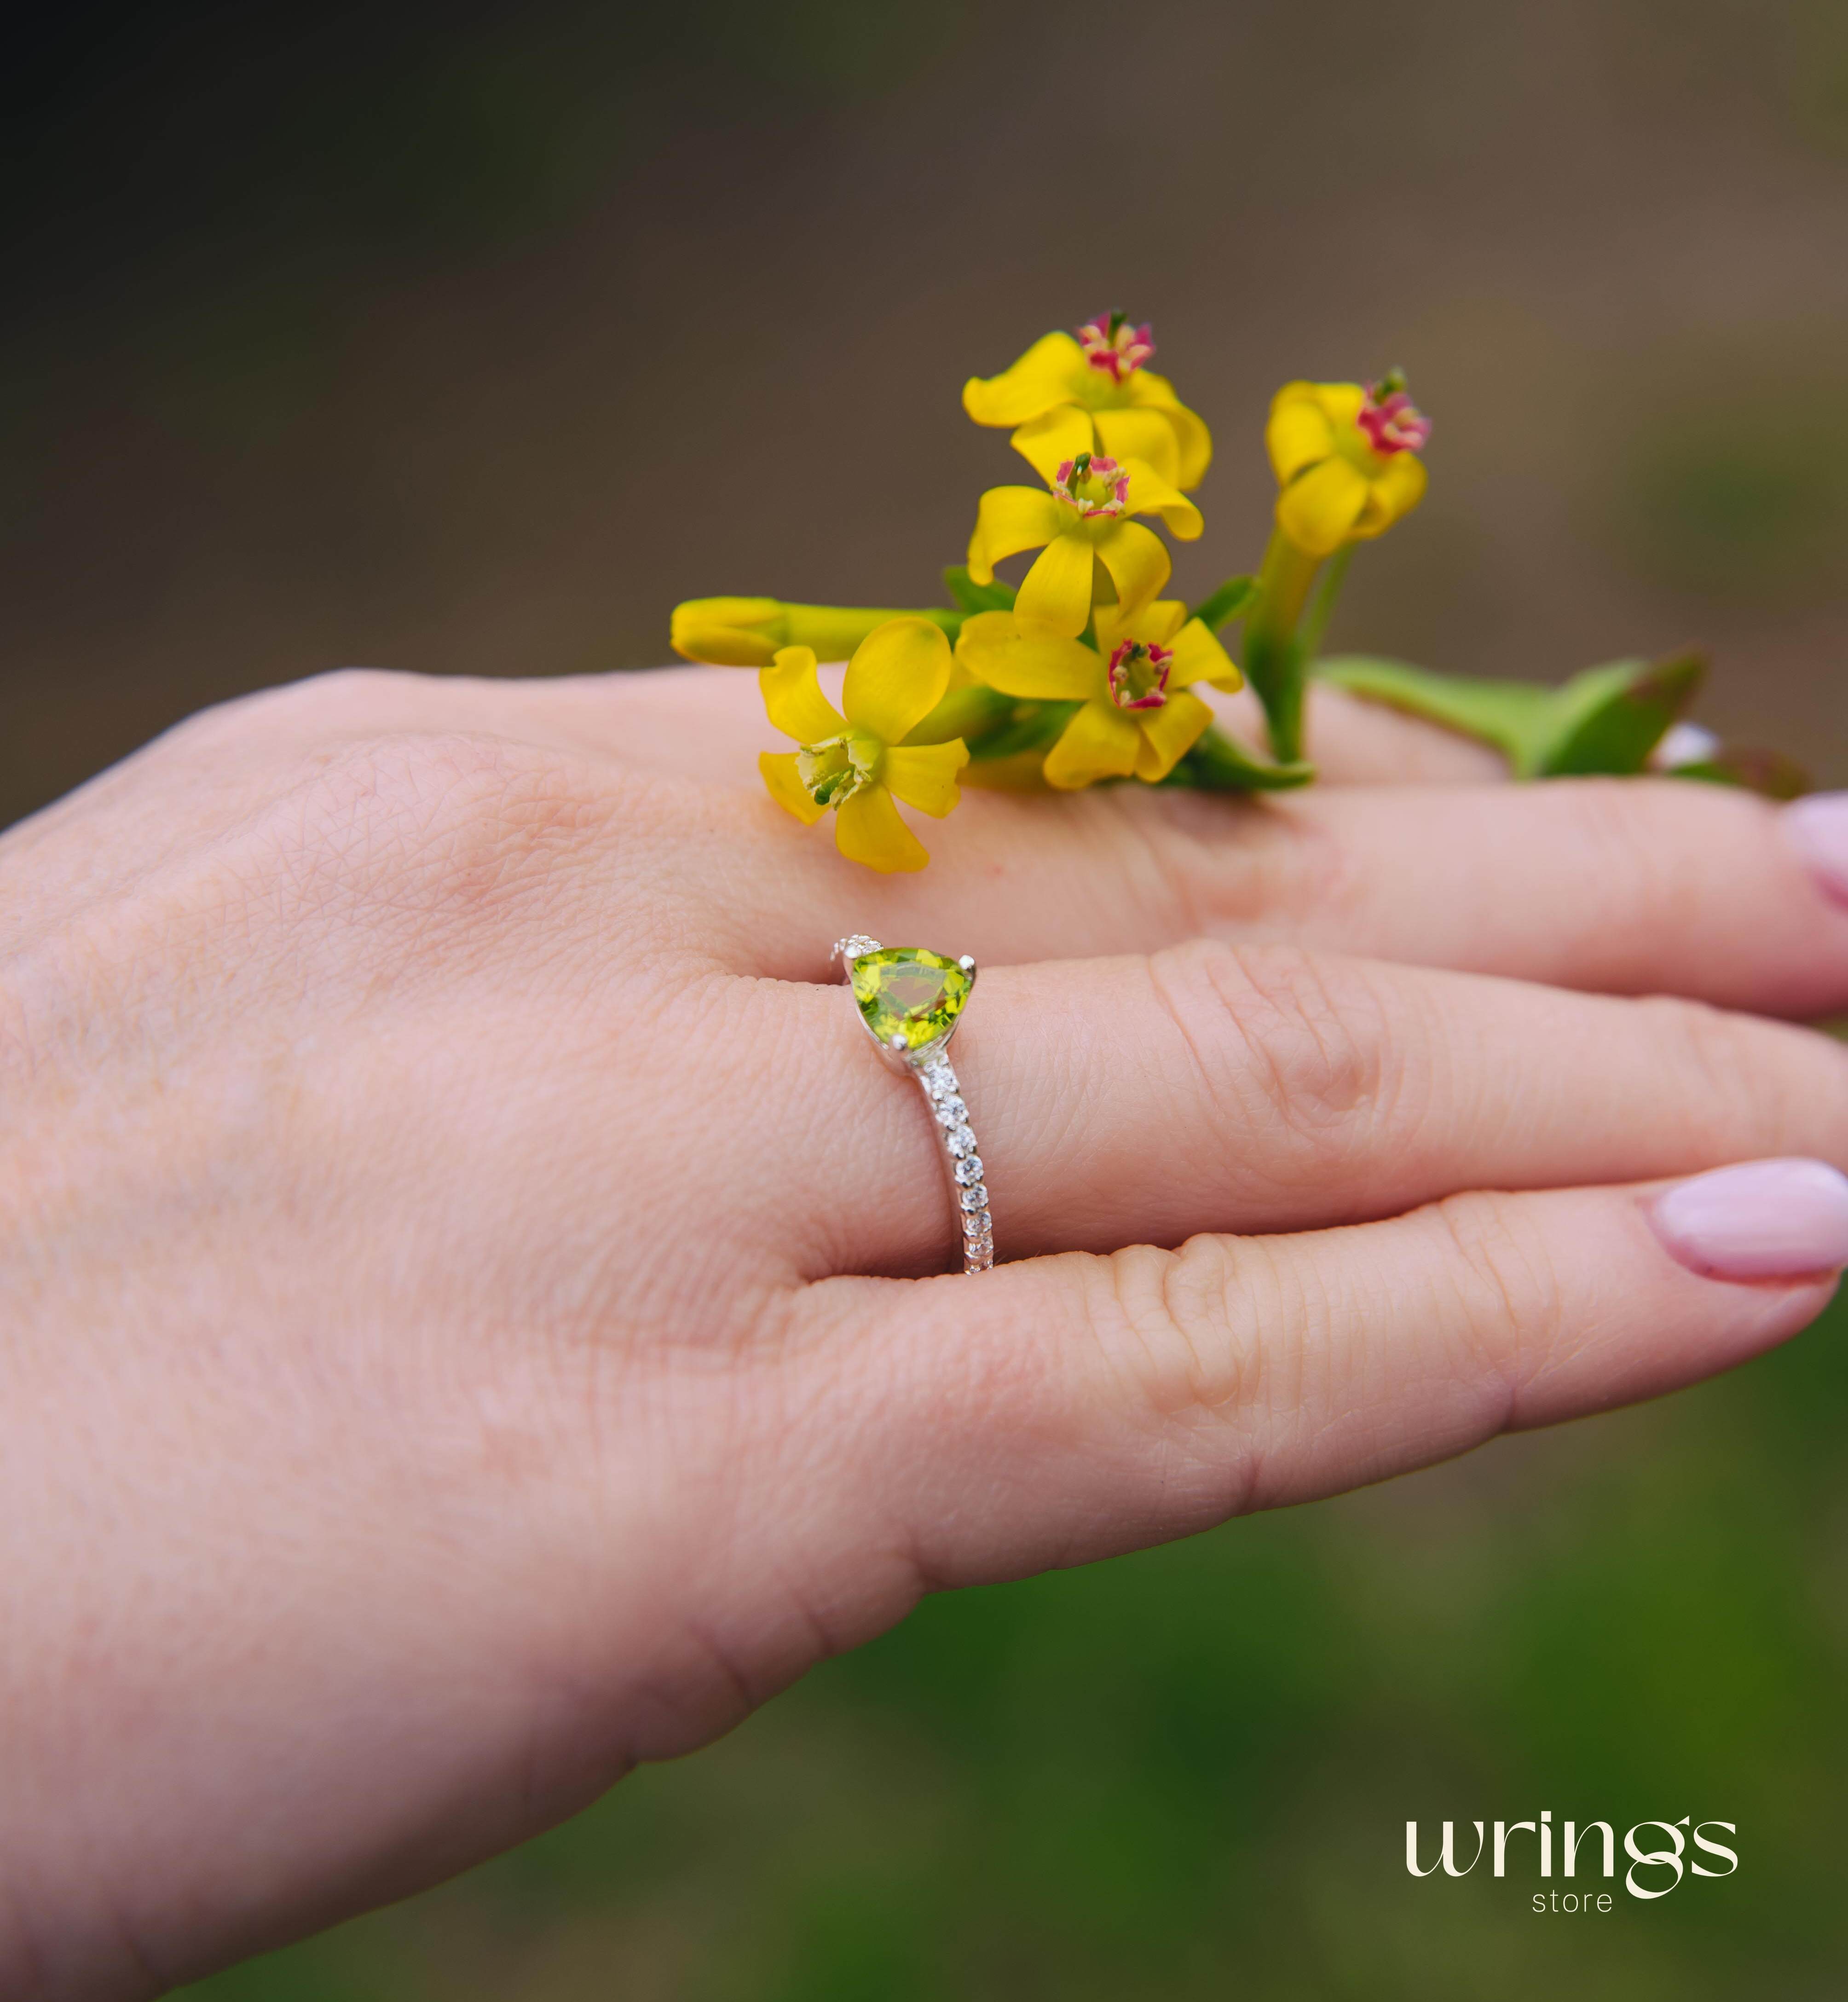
column 904, row 991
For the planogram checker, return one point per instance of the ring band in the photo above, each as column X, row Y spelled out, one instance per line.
column 909, row 1001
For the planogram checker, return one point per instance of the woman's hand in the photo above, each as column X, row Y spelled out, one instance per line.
column 466, row 1330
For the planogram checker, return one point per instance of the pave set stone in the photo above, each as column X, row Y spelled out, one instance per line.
column 940, row 1087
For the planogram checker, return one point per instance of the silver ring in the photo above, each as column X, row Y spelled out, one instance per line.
column 909, row 1001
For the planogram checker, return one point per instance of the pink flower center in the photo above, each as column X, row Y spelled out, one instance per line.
column 1097, row 486
column 1113, row 347
column 1138, row 675
column 1389, row 418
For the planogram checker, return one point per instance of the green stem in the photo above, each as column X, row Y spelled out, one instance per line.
column 1032, row 726
column 969, row 713
column 1229, row 602
column 835, row 630
column 1322, row 607
column 1221, row 764
column 1274, row 658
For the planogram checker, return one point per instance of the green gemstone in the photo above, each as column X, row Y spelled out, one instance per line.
column 904, row 991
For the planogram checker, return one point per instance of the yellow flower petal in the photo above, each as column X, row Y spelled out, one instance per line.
column 1145, row 386
column 1191, row 436
column 1318, row 510
column 1151, row 494
column 1196, row 447
column 1167, row 732
column 728, row 632
column 897, row 677
column 1100, row 742
column 1155, row 625
column 1037, row 670
column 1054, row 600
column 786, row 787
column 968, row 705
column 1393, row 493
column 1298, row 433
column 794, row 700
column 1340, row 401
column 924, row 775
column 1048, row 441
column 1198, row 656
column 1052, row 371
column 1009, row 519
column 1148, row 434
column 982, row 632
column 1137, row 559
column 868, row 829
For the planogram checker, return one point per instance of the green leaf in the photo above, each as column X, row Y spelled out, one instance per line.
column 970, row 597
column 1226, row 604
column 1605, row 719
column 1512, row 716
column 1614, row 717
column 1770, row 773
column 1221, row 764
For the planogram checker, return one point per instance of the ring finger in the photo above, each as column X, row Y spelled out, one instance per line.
column 1137, row 1101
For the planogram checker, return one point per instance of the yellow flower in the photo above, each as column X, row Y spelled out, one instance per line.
column 747, row 632
column 1139, row 717
column 1098, row 379
column 855, row 763
column 1082, row 521
column 1346, row 460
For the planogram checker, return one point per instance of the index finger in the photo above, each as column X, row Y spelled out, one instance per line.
column 1626, row 885
column 708, row 723
column 1622, row 886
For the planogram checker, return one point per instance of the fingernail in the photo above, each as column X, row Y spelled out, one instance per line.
column 1761, row 1220
column 1818, row 827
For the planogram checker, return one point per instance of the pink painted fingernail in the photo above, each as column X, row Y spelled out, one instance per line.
column 1818, row 827
column 1761, row 1220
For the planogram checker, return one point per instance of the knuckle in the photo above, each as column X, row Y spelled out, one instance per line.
column 1735, row 1088
column 1185, row 1332
column 340, row 691
column 1280, row 867
column 1635, row 868
column 1780, row 1085
column 321, row 702
column 450, row 796
column 421, row 836
column 1295, row 1041
column 401, row 851
column 1508, row 1290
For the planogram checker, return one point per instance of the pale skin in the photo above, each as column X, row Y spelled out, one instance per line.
column 469, row 1318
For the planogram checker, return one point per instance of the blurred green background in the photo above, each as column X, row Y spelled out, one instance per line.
column 470, row 339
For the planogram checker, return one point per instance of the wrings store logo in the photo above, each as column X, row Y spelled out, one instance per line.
column 1658, row 1865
